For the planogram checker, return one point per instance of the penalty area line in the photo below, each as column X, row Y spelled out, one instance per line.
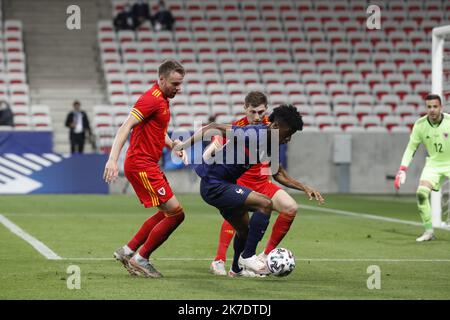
column 35, row 243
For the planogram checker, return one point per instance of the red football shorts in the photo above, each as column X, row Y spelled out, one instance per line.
column 151, row 186
column 267, row 188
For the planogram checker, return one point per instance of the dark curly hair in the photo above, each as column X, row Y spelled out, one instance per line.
column 287, row 114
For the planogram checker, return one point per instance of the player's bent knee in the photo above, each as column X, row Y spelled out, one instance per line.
column 422, row 194
column 266, row 205
column 290, row 208
column 177, row 213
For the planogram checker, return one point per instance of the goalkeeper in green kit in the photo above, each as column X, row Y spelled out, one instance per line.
column 433, row 131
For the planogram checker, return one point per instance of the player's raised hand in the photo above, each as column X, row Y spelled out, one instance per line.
column 183, row 156
column 400, row 178
column 313, row 193
column 177, row 145
column 111, row 171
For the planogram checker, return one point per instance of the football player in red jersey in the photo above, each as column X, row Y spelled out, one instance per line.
column 148, row 122
column 255, row 113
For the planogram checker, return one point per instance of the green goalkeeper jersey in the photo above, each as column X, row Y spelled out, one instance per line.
column 435, row 138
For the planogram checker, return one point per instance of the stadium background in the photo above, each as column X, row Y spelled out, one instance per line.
column 359, row 92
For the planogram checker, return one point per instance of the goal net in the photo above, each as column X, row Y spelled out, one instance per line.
column 440, row 84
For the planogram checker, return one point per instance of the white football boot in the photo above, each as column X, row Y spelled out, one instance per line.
column 218, row 268
column 427, row 236
column 253, row 264
column 245, row 274
column 263, row 257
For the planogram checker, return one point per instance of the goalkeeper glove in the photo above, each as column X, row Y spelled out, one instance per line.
column 400, row 178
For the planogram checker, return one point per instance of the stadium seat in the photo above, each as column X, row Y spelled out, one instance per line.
column 182, row 110
column 22, row 122
column 277, row 99
column 237, row 111
column 409, row 121
column 342, row 110
column 186, row 122
column 331, row 78
column 39, row 111
column 298, row 99
column 382, row 111
column 362, row 110
column 220, row 109
column 308, row 121
column 320, row 100
column 391, row 121
column 119, row 100
column 235, row 88
column 346, row 121
column 370, row 120
column 20, row 111
column 321, row 110
column 102, row 121
column 324, row 121
column 225, row 119
column 405, row 110
column 305, row 110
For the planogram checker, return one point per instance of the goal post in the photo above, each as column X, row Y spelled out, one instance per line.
column 440, row 65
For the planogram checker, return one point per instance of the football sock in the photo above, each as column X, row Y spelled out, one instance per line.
column 279, row 230
column 238, row 246
column 226, row 234
column 256, row 229
column 127, row 250
column 423, row 204
column 139, row 259
column 145, row 230
column 161, row 232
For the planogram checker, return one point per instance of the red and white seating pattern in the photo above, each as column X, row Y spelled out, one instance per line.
column 317, row 55
column 13, row 80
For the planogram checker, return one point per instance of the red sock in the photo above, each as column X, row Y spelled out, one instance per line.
column 161, row 232
column 226, row 234
column 145, row 230
column 279, row 230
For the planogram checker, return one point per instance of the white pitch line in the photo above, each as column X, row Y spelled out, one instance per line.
column 367, row 216
column 297, row 259
column 35, row 243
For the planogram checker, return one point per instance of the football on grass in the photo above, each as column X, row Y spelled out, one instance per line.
column 281, row 262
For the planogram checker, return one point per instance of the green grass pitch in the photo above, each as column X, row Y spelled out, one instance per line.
column 333, row 252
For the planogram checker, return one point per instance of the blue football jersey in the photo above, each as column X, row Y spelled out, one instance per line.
column 247, row 146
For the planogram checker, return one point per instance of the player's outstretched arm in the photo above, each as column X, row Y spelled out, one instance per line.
column 283, row 177
column 198, row 136
column 111, row 168
column 216, row 144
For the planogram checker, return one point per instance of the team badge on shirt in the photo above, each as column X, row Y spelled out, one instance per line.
column 162, row 191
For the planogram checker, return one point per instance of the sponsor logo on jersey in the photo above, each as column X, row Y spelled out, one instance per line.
column 239, row 191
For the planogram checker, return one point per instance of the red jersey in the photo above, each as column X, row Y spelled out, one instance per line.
column 148, row 137
column 253, row 177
